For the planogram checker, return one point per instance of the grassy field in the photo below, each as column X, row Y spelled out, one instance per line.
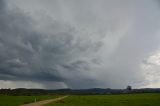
column 150, row 99
column 6, row 100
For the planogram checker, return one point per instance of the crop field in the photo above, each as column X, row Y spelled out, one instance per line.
column 148, row 99
column 6, row 100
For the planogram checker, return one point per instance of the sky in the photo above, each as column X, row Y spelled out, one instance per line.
column 79, row 44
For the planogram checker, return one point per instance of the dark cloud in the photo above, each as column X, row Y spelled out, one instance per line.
column 99, row 44
column 32, row 55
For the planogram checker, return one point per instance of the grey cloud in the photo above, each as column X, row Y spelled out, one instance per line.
column 32, row 55
column 79, row 44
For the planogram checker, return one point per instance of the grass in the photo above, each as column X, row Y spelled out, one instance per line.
column 6, row 100
column 148, row 99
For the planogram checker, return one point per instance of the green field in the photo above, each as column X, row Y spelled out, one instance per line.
column 6, row 100
column 150, row 99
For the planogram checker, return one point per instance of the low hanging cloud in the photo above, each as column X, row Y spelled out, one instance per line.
column 77, row 44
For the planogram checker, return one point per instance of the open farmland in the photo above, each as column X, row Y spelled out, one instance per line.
column 146, row 99
column 6, row 100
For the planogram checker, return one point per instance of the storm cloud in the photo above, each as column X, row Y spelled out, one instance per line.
column 79, row 44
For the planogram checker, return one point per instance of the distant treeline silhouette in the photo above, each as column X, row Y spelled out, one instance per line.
column 93, row 91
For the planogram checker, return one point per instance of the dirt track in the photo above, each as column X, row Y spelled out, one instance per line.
column 43, row 102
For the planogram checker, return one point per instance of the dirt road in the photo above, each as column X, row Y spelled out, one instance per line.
column 40, row 103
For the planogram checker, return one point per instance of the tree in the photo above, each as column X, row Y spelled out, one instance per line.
column 129, row 88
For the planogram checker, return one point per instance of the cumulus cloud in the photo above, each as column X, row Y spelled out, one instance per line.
column 77, row 44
